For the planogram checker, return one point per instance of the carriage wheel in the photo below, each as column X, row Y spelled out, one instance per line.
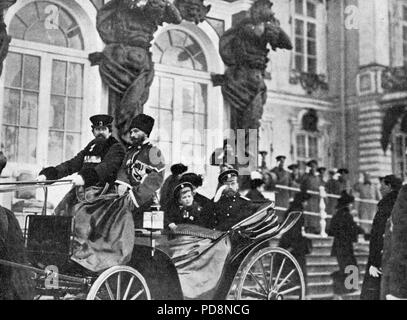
column 119, row 283
column 271, row 274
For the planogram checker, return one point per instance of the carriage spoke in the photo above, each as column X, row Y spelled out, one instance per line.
column 138, row 294
column 119, row 279
column 285, row 279
column 279, row 272
column 258, row 282
column 264, row 274
column 109, row 290
column 255, row 293
column 290, row 290
column 271, row 270
column 128, row 288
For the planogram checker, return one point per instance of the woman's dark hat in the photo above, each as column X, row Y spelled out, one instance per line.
column 321, row 170
column 101, row 120
column 345, row 200
column 301, row 197
column 392, row 181
column 182, row 187
column 343, row 171
column 178, row 169
column 193, row 178
column 312, row 162
column 228, row 174
column 293, row 167
column 280, row 158
column 144, row 123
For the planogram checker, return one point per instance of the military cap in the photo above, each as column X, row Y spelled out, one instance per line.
column 182, row 187
column 101, row 120
column 228, row 174
column 280, row 158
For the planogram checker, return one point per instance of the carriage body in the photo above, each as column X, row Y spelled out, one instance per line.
column 247, row 272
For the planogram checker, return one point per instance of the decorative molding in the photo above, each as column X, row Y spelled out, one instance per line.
column 310, row 82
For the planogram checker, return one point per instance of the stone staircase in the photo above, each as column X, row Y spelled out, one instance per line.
column 320, row 265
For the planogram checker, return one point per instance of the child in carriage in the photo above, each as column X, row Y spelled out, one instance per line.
column 185, row 210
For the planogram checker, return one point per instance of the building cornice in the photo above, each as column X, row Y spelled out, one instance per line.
column 297, row 101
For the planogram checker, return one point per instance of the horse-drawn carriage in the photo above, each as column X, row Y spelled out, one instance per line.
column 247, row 265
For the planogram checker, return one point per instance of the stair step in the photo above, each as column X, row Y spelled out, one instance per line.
column 323, row 288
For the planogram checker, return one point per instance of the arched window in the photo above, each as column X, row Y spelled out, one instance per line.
column 47, row 23
column 43, row 86
column 179, row 98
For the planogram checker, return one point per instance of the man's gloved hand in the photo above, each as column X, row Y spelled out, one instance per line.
column 374, row 272
column 41, row 178
column 78, row 181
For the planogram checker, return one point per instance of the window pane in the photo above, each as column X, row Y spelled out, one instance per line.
column 301, row 148
column 399, row 147
column 299, row 63
column 154, row 92
column 312, row 65
column 311, row 10
column 58, row 77
column 163, row 41
column 165, row 125
column 200, row 125
column 200, row 62
column 55, row 147
column 75, row 80
column 166, row 150
column 9, row 137
column 13, row 70
column 166, row 93
column 41, row 34
column 72, row 145
column 312, row 49
column 27, row 145
column 299, row 27
column 188, row 126
column 57, row 113
column 188, row 97
column 29, row 110
column 73, row 115
column 313, row 147
column 11, row 106
column 178, row 38
column 31, row 72
column 202, row 97
column 187, row 155
column 311, row 30
column 404, row 13
column 299, row 6
column 177, row 57
column 299, row 45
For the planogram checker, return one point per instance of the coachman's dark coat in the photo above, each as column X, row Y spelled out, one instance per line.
column 98, row 163
column 15, row 284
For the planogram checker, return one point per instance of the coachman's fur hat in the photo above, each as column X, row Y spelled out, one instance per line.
column 144, row 123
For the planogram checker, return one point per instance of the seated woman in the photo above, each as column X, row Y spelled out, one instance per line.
column 185, row 210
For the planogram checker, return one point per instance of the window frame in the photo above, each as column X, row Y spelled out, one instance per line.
column 396, row 159
column 403, row 27
column 307, row 158
column 47, row 54
column 305, row 19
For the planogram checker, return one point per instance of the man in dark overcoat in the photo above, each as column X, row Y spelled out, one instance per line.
column 390, row 188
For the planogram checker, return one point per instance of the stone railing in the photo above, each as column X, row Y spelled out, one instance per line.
column 322, row 214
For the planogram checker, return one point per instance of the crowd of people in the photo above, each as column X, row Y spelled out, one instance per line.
column 114, row 186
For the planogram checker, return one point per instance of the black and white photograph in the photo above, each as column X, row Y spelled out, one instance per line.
column 211, row 151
